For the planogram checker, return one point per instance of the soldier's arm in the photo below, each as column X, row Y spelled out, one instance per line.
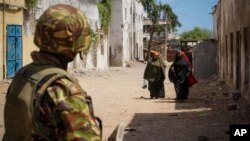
column 67, row 112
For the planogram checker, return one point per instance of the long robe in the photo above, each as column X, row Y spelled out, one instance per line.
column 178, row 73
column 155, row 75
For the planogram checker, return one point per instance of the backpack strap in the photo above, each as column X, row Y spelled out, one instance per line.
column 49, row 79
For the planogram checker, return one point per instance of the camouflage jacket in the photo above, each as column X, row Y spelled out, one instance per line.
column 63, row 113
column 61, row 109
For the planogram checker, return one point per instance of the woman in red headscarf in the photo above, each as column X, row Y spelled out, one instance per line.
column 179, row 72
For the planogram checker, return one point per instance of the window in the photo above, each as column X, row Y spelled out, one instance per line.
column 226, row 57
column 246, row 50
column 134, row 18
column 231, row 54
column 125, row 13
column 238, row 59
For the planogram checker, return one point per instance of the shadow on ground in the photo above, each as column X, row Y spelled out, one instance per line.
column 175, row 127
column 205, row 116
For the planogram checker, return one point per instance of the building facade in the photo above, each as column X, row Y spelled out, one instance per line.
column 97, row 56
column 122, row 43
column 232, row 32
column 126, row 32
column 159, row 40
column 11, row 36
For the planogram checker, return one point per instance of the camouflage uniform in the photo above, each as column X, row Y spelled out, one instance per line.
column 44, row 102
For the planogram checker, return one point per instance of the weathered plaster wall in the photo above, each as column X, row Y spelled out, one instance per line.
column 93, row 59
column 132, row 30
column 14, row 2
column 234, row 40
column 116, row 33
column 2, row 42
column 126, row 32
column 138, row 29
column 103, row 51
column 8, row 16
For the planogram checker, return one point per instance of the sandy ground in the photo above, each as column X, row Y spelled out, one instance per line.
column 118, row 98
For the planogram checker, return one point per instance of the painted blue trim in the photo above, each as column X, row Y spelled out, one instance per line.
column 14, row 49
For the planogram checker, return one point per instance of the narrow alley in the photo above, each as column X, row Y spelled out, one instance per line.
column 107, row 45
column 118, row 98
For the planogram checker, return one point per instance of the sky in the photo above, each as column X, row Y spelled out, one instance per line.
column 192, row 13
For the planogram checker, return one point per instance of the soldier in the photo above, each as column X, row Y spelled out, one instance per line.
column 44, row 102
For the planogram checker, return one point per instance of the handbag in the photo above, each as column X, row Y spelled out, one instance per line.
column 144, row 84
column 191, row 78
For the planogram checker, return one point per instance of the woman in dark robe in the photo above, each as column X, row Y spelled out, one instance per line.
column 178, row 74
column 155, row 75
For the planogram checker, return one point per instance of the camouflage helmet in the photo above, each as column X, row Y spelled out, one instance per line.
column 62, row 29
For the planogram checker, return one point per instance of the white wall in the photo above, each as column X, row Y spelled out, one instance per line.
column 102, row 59
column 89, row 7
column 139, row 10
column 123, row 28
column 116, row 33
column 127, row 30
column 134, row 25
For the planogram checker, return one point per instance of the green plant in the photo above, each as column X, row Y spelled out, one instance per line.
column 196, row 34
column 157, row 12
column 94, row 36
column 105, row 9
column 94, row 39
column 31, row 3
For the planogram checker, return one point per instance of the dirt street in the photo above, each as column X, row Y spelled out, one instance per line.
column 118, row 98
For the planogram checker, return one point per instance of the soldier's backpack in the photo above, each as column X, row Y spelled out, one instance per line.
column 29, row 80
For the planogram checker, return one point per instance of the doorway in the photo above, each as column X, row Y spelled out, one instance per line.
column 14, row 49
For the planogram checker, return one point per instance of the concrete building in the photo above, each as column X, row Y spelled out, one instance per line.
column 17, row 28
column 158, row 40
column 98, row 53
column 11, row 37
column 232, row 32
column 126, row 33
column 122, row 44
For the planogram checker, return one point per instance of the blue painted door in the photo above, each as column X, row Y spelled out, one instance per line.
column 14, row 49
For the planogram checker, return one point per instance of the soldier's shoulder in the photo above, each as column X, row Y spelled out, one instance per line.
column 71, row 85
